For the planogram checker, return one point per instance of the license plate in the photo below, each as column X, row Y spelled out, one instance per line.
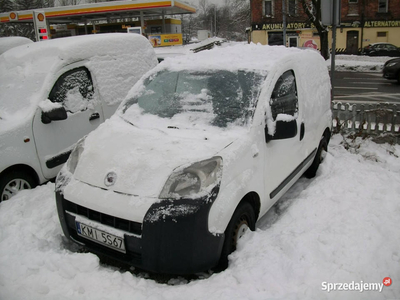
column 101, row 237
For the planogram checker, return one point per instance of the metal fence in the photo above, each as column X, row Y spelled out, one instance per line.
column 376, row 120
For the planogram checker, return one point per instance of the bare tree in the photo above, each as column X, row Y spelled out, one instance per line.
column 97, row 1
column 313, row 10
column 68, row 2
column 6, row 5
column 21, row 29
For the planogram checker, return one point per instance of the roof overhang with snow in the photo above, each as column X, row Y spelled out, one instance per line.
column 102, row 11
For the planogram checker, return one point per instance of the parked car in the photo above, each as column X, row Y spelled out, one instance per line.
column 55, row 92
column 7, row 43
column 381, row 49
column 391, row 69
column 200, row 149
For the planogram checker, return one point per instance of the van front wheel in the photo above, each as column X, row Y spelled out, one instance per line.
column 242, row 220
column 312, row 170
column 13, row 182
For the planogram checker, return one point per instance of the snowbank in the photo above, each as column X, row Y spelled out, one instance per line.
column 358, row 63
column 340, row 227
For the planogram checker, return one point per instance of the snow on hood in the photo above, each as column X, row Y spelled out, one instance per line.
column 144, row 158
column 28, row 72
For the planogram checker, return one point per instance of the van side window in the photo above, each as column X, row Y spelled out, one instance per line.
column 284, row 98
column 74, row 89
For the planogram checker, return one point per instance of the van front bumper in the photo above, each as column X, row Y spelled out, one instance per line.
column 173, row 238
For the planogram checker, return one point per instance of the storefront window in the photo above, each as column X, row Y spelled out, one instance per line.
column 275, row 38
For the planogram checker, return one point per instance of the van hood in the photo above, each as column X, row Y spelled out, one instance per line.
column 10, row 124
column 144, row 158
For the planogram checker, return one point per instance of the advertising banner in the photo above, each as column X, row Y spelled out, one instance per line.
column 161, row 40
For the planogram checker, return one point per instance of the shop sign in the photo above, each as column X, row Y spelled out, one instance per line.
column 310, row 44
column 161, row 40
column 279, row 26
column 382, row 23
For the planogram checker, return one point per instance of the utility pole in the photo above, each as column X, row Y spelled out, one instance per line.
column 334, row 23
column 215, row 20
column 284, row 21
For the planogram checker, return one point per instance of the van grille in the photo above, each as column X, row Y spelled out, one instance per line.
column 118, row 223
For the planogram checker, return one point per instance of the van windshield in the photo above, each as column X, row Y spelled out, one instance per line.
column 218, row 98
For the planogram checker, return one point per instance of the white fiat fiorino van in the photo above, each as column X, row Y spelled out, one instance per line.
column 201, row 148
column 55, row 92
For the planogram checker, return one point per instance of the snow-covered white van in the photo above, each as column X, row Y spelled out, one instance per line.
column 202, row 147
column 55, row 92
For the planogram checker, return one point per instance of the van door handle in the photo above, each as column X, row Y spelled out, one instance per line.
column 94, row 116
column 302, row 131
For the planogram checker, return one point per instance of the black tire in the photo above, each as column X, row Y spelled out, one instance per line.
column 398, row 78
column 312, row 170
column 13, row 182
column 243, row 215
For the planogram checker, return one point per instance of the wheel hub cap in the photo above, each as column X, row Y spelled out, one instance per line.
column 13, row 187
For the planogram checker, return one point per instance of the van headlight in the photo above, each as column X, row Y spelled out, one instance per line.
column 197, row 179
column 75, row 155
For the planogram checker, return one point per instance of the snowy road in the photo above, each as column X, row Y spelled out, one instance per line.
column 341, row 227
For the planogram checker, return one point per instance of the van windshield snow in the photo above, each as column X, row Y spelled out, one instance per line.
column 218, row 98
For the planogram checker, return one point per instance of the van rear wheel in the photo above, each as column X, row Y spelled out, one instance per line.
column 13, row 182
column 242, row 220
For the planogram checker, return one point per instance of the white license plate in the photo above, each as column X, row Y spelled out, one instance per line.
column 101, row 237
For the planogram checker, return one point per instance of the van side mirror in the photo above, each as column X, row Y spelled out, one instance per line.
column 56, row 114
column 284, row 130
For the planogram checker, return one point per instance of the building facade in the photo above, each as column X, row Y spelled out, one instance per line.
column 362, row 22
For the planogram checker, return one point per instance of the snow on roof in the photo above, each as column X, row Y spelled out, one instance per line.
column 239, row 56
column 28, row 72
column 75, row 48
column 7, row 43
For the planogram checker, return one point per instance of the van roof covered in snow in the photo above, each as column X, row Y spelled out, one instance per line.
column 241, row 56
column 28, row 72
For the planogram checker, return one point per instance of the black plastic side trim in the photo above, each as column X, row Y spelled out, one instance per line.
column 293, row 174
column 58, row 160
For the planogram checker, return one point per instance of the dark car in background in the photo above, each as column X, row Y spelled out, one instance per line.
column 381, row 49
column 391, row 69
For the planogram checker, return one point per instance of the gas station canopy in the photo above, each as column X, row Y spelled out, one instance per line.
column 102, row 11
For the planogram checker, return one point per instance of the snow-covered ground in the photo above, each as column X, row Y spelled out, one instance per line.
column 340, row 227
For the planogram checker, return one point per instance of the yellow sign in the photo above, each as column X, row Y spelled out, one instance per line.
column 161, row 40
column 382, row 24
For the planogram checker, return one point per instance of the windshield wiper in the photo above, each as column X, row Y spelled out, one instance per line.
column 127, row 121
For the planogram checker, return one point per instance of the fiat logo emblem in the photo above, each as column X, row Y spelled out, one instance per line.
column 110, row 179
